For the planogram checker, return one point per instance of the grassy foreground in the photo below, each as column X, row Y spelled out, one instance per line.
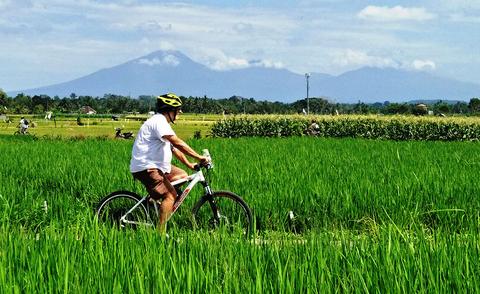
column 371, row 216
column 81, row 260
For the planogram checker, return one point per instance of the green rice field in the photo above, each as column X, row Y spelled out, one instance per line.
column 67, row 126
column 370, row 216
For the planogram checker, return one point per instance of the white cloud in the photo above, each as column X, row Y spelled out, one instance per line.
column 218, row 60
column 266, row 63
column 353, row 58
column 396, row 13
column 423, row 65
column 227, row 63
column 168, row 60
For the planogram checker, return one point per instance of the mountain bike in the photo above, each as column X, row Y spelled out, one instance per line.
column 125, row 135
column 219, row 210
column 21, row 131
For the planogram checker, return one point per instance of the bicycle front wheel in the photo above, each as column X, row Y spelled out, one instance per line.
column 122, row 209
column 223, row 211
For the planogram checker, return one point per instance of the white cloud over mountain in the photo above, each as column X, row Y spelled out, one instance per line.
column 169, row 60
column 352, row 57
column 423, row 64
column 218, row 60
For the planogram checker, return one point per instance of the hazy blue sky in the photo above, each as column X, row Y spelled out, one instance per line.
column 51, row 41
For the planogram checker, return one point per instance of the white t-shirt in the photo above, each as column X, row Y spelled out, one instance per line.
column 23, row 124
column 150, row 150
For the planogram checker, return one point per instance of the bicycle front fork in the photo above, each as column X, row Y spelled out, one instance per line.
column 211, row 201
column 208, row 191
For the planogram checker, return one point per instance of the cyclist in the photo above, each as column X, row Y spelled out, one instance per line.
column 23, row 125
column 152, row 154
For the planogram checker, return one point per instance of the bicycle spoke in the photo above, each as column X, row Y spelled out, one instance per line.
column 116, row 211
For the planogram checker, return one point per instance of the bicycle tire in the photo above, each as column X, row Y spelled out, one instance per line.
column 18, row 133
column 234, row 216
column 112, row 207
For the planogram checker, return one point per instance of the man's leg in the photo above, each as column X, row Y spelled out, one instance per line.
column 166, row 211
column 176, row 173
column 169, row 198
column 166, row 207
column 158, row 187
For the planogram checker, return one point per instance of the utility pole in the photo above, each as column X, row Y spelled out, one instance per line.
column 307, row 76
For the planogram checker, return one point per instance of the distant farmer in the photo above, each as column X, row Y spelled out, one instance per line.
column 313, row 128
column 152, row 155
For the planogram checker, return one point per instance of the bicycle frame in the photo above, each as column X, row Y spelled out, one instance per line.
column 194, row 179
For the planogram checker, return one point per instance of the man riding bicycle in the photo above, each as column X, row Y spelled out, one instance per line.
column 23, row 126
column 152, row 155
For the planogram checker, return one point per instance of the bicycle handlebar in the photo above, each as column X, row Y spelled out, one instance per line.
column 207, row 165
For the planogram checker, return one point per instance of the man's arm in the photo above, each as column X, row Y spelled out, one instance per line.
column 184, row 148
column 179, row 154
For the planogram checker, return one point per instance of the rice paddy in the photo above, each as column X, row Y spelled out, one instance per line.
column 368, row 216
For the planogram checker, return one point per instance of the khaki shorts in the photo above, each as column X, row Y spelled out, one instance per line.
column 156, row 182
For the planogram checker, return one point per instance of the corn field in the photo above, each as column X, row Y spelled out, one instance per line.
column 369, row 127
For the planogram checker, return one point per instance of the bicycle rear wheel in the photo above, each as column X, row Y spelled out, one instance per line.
column 114, row 210
column 223, row 211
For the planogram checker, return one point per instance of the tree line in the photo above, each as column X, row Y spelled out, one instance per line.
column 117, row 104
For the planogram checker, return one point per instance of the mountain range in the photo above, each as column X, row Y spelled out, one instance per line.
column 172, row 71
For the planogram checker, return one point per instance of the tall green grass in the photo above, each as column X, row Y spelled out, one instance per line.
column 353, row 183
column 370, row 216
column 91, row 260
column 327, row 183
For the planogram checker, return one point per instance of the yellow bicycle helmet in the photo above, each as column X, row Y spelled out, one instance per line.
column 167, row 102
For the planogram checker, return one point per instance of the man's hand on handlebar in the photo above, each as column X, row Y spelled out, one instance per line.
column 204, row 161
